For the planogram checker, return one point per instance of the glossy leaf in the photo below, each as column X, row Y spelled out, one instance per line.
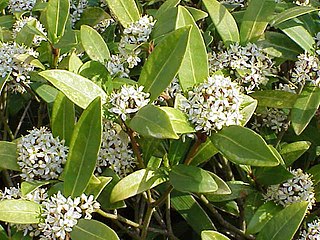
column 166, row 6
column 8, row 156
column 57, row 14
column 213, row 235
column 178, row 150
column 63, row 118
column 94, row 45
column 125, row 10
column 284, row 224
column 223, row 187
column 279, row 45
column 291, row 13
column 92, row 16
column 315, row 172
column 191, row 179
column 292, row 151
column 304, row 108
column 191, row 211
column 135, row 183
column 90, row 229
column 29, row 187
column 243, row 146
column 78, row 89
column 84, row 148
column 264, row 213
column 238, row 190
column 95, row 188
column 298, row 34
column 164, row 62
column 272, row 175
column 223, row 21
column 45, row 91
column 275, row 98
column 255, row 19
column 247, row 109
column 19, row 211
column 3, row 81
column 204, row 153
column 194, row 67
column 197, row 14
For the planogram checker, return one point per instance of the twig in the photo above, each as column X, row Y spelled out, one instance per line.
column 119, row 218
column 146, row 222
column 201, row 138
column 168, row 219
column 21, row 119
column 127, row 231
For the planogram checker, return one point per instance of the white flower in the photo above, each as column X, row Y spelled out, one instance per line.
column 297, row 189
column 19, row 24
column 273, row 118
column 76, row 9
column 11, row 63
column 127, row 100
column 21, row 5
column 240, row 2
column 61, row 214
column 312, row 232
column 115, row 151
column 250, row 65
column 116, row 67
column 103, row 24
column 307, row 69
column 214, row 104
column 302, row 2
column 40, row 155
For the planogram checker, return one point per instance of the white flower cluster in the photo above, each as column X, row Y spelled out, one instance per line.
column 312, row 232
column 238, row 2
column 307, row 69
column 37, row 196
column 127, row 100
column 297, row 189
column 76, row 9
column 19, row 24
column 133, row 36
column 103, row 24
column 40, row 155
column 213, row 104
column 170, row 92
column 272, row 118
column 19, row 69
column 62, row 214
column 302, row 2
column 21, row 5
column 250, row 63
column 115, row 151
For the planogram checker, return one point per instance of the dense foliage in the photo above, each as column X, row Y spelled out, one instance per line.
column 153, row 119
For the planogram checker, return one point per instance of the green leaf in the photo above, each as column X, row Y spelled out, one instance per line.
column 3, row 81
column 74, row 63
column 292, row 151
column 291, row 13
column 3, row 234
column 264, row 213
column 166, row 6
column 8, row 156
column 238, row 190
column 179, row 120
column 223, row 21
column 19, row 211
column 284, row 224
column 194, row 67
column 191, row 179
column 178, row 150
column 151, row 121
column 272, row 175
column 96, row 187
column 204, row 153
column 7, row 21
column 125, row 10
column 92, row 16
column 78, row 89
column 223, row 188
column 45, row 91
column 92, row 230
column 29, row 187
column 315, row 172
column 304, row 108
column 247, row 109
column 164, row 62
column 57, row 14
column 94, row 45
column 63, row 118
column 213, row 235
column 275, row 98
column 197, row 14
column 137, row 182
column 243, row 146
column 279, row 45
column 84, row 148
column 104, row 197
column 298, row 34
column 255, row 19
column 191, row 211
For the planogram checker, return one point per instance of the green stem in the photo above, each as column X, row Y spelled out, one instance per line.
column 119, row 218
column 146, row 222
column 201, row 138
